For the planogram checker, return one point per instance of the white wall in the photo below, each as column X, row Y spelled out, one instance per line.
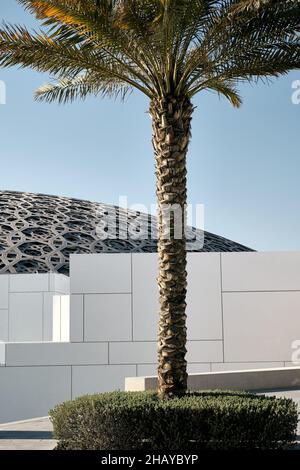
column 31, row 307
column 243, row 313
column 60, row 328
column 36, row 376
column 242, row 308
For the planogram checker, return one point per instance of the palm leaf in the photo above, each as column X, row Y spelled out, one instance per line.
column 68, row 90
column 160, row 47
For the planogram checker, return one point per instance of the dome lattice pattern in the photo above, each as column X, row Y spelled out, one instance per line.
column 39, row 232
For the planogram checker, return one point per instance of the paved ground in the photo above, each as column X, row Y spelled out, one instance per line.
column 36, row 434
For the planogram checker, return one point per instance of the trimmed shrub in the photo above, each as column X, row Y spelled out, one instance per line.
column 196, row 421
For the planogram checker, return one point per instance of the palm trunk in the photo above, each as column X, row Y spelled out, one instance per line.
column 171, row 119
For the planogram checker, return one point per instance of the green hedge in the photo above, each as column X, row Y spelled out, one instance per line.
column 199, row 420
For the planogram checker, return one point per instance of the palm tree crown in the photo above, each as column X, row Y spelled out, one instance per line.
column 176, row 47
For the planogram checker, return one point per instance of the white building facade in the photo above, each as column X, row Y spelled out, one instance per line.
column 243, row 312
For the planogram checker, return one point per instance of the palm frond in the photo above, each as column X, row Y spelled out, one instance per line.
column 159, row 47
column 255, row 5
column 63, row 58
column 248, row 46
column 223, row 89
column 68, row 90
column 101, row 23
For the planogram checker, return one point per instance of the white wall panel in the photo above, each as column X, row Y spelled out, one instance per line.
column 133, row 353
column 3, row 325
column 29, row 282
column 30, row 392
column 145, row 296
column 204, row 313
column 198, row 368
column 146, row 369
column 107, row 317
column 260, row 326
column 204, row 351
column 56, row 318
column 76, row 317
column 65, row 318
column 59, row 283
column 103, row 273
column 37, row 324
column 25, row 316
column 4, row 291
column 48, row 313
column 93, row 379
column 2, row 354
column 35, row 354
column 269, row 271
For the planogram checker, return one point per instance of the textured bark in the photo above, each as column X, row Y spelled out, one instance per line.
column 171, row 119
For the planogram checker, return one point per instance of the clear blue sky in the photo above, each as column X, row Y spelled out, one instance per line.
column 244, row 165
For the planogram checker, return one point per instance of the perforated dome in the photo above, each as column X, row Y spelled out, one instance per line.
column 39, row 232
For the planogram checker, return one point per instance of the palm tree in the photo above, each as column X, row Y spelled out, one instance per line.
column 169, row 50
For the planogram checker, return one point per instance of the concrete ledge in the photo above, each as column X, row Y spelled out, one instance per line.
column 256, row 379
